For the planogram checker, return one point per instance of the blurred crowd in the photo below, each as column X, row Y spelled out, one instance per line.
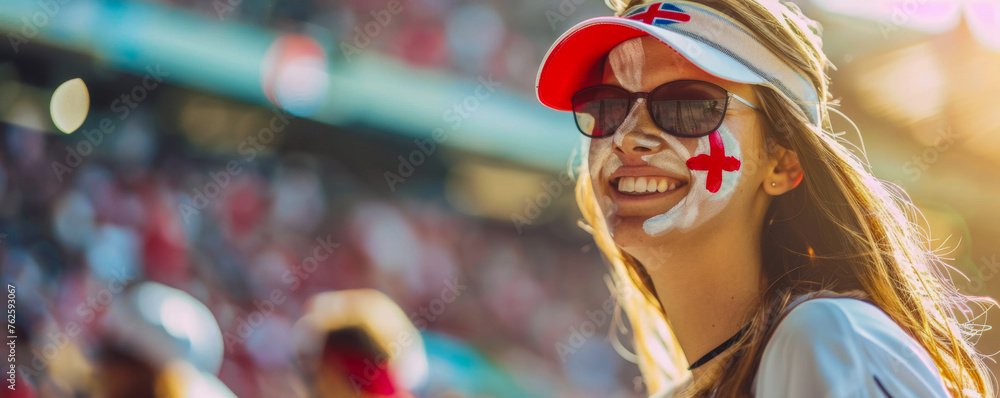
column 89, row 227
column 94, row 233
column 505, row 39
column 500, row 312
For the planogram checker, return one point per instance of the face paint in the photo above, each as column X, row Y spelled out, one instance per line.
column 714, row 163
column 626, row 61
column 601, row 154
column 701, row 203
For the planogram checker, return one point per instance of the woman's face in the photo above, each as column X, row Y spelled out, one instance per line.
column 710, row 182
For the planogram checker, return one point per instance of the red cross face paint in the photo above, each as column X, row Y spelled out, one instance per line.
column 715, row 170
column 714, row 163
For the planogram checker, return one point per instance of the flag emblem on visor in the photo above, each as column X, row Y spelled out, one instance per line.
column 658, row 14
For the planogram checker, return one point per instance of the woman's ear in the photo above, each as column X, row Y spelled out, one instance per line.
column 786, row 174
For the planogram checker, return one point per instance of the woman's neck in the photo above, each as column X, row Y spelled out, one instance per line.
column 708, row 294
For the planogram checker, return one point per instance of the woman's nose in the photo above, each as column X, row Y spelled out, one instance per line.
column 638, row 135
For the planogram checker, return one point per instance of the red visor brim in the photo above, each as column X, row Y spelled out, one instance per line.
column 575, row 62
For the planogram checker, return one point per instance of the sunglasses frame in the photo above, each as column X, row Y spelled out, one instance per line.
column 634, row 97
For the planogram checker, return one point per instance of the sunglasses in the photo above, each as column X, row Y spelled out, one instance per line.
column 683, row 108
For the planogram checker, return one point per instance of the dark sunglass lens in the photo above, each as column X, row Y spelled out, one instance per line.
column 600, row 111
column 688, row 108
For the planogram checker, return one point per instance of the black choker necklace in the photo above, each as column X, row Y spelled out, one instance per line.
column 718, row 350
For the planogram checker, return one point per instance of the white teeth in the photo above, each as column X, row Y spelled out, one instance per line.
column 627, row 184
column 645, row 184
column 640, row 184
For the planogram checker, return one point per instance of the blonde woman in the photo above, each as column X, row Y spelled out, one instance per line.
column 766, row 260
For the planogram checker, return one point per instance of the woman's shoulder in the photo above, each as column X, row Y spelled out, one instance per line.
column 838, row 320
column 844, row 347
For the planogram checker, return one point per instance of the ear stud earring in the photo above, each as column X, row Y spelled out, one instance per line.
column 773, row 185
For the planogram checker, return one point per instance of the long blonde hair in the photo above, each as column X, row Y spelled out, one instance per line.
column 841, row 230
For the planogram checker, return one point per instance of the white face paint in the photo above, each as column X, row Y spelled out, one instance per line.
column 700, row 204
column 626, row 61
column 604, row 160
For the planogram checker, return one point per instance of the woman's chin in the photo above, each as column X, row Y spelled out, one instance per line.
column 628, row 232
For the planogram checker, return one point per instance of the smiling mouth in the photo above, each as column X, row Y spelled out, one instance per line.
column 646, row 185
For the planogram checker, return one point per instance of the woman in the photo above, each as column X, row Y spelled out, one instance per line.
column 767, row 260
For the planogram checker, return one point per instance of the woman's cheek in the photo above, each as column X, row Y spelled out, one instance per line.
column 601, row 162
column 720, row 163
column 716, row 169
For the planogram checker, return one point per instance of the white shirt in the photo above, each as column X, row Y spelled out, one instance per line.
column 840, row 348
column 843, row 348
